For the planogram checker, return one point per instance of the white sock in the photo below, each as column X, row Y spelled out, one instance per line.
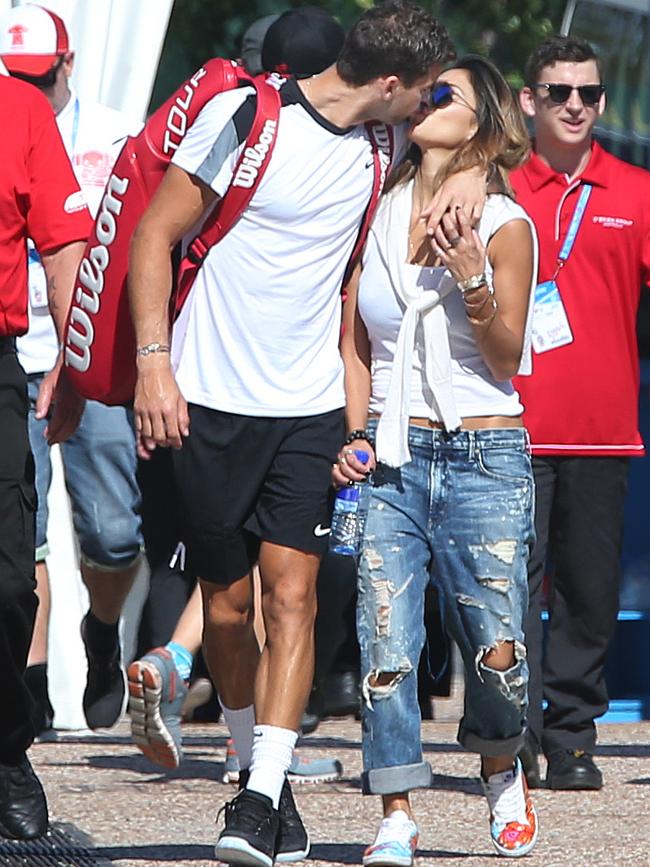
column 272, row 752
column 241, row 722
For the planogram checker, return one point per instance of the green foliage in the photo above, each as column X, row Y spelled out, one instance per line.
column 505, row 30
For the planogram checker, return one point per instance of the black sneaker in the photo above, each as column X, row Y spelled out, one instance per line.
column 250, row 832
column 292, row 842
column 103, row 697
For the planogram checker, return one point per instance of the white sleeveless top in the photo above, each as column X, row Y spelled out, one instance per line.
column 425, row 361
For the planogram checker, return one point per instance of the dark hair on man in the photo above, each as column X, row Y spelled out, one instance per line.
column 500, row 142
column 393, row 38
column 559, row 49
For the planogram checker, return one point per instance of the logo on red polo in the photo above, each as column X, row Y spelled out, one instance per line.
column 613, row 222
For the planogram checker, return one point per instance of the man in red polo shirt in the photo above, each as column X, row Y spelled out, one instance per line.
column 592, row 214
column 40, row 199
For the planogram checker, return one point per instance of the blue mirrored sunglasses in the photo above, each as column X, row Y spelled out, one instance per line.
column 440, row 96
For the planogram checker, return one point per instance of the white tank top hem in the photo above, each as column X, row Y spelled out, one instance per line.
column 424, row 360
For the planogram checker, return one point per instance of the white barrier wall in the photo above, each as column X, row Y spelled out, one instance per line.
column 69, row 601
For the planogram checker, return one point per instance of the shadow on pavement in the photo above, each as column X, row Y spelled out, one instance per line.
column 191, row 768
column 640, row 750
column 170, row 854
column 351, row 853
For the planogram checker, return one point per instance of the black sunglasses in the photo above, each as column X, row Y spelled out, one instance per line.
column 441, row 95
column 561, row 93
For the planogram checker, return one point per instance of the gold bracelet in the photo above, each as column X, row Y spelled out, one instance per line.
column 472, row 283
column 495, row 308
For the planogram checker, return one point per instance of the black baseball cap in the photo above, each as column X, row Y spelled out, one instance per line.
column 251, row 44
column 302, row 42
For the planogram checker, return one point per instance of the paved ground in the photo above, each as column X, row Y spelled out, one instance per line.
column 138, row 816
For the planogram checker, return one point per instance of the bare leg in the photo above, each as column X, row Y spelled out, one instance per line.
column 500, row 658
column 231, row 650
column 189, row 629
column 289, row 608
column 397, row 801
column 38, row 647
column 108, row 589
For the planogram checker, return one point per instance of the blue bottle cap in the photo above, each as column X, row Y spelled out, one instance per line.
column 362, row 456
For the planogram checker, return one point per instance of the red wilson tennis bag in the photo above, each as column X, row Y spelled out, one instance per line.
column 99, row 341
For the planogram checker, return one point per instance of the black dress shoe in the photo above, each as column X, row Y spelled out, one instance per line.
column 341, row 694
column 314, row 712
column 23, row 808
column 573, row 770
column 529, row 756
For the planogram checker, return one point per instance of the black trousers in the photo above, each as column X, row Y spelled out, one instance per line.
column 579, row 527
column 17, row 515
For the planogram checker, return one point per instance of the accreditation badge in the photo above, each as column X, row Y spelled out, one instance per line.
column 551, row 327
column 37, row 282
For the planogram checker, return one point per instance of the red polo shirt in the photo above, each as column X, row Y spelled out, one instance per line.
column 582, row 398
column 39, row 195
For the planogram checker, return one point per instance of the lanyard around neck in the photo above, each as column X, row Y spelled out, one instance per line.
column 572, row 234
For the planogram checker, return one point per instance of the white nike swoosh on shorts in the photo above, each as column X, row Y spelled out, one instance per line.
column 321, row 531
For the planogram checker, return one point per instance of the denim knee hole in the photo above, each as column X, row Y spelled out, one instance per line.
column 510, row 681
column 373, row 686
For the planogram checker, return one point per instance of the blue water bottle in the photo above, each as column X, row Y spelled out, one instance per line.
column 350, row 513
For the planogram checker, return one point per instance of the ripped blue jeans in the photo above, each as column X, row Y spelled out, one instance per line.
column 459, row 514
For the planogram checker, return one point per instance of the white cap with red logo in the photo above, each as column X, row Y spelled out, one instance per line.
column 32, row 39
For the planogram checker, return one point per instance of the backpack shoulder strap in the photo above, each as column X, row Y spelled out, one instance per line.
column 249, row 171
column 382, row 142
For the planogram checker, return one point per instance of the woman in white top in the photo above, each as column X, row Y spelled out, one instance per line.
column 434, row 331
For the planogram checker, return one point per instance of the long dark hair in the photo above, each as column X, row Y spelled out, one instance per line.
column 500, row 143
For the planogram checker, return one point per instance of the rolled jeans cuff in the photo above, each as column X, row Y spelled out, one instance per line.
column 112, row 567
column 474, row 743
column 399, row 778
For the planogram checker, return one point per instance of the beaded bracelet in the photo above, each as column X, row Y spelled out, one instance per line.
column 358, row 434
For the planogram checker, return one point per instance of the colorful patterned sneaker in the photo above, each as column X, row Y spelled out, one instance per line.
column 314, row 770
column 250, row 833
column 513, row 820
column 156, row 695
column 395, row 843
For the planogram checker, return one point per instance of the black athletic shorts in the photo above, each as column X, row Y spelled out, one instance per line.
column 245, row 479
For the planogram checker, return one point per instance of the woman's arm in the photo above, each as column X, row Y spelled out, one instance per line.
column 499, row 319
column 355, row 351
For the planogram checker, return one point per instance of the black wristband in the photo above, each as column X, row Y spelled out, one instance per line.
column 358, row 434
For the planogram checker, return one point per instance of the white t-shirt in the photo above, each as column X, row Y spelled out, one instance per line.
column 93, row 136
column 475, row 390
column 259, row 332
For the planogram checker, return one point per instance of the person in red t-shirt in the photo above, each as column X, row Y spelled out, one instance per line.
column 592, row 214
column 40, row 199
